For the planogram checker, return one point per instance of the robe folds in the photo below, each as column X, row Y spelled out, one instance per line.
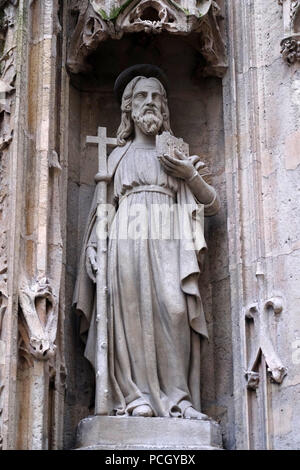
column 155, row 313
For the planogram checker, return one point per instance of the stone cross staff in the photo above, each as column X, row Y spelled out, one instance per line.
column 101, row 179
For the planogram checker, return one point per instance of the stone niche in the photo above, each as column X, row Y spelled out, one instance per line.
column 196, row 108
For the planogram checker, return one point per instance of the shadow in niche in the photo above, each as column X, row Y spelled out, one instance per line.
column 196, row 110
column 164, row 50
column 150, row 14
column 177, row 56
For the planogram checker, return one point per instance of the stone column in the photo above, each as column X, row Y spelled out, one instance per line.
column 261, row 115
column 32, row 365
column 13, row 83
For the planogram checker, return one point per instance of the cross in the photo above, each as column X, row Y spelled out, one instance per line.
column 102, row 141
column 102, row 178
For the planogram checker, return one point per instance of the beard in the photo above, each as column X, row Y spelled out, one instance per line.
column 149, row 123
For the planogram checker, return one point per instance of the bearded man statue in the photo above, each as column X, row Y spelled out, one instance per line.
column 155, row 314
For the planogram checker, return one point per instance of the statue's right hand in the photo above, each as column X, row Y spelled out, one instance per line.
column 91, row 263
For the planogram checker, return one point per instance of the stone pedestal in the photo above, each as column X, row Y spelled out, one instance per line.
column 120, row 433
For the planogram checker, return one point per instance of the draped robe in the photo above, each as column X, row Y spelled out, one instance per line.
column 155, row 313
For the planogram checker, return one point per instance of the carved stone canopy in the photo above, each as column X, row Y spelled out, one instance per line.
column 99, row 20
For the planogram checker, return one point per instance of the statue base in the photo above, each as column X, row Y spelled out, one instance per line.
column 134, row 433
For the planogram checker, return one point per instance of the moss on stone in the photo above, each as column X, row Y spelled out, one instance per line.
column 114, row 13
column 103, row 14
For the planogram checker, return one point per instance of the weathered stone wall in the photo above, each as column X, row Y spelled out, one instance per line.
column 261, row 116
column 32, row 364
column 8, row 43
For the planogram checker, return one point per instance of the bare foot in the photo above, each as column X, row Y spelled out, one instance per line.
column 191, row 413
column 142, row 410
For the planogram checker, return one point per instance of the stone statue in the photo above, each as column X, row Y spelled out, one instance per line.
column 155, row 316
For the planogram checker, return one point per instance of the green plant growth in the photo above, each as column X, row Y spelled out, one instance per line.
column 114, row 13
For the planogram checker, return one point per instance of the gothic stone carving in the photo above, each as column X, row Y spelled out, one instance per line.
column 96, row 23
column 38, row 335
column 290, row 49
column 264, row 344
column 294, row 10
column 252, row 380
column 7, row 77
column 290, row 44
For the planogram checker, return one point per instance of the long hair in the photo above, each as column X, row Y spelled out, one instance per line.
column 126, row 128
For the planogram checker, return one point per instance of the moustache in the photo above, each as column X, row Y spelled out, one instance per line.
column 153, row 109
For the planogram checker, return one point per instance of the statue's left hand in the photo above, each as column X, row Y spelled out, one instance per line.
column 91, row 263
column 180, row 167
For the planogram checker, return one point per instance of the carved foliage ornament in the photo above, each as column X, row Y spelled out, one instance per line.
column 99, row 20
column 290, row 44
column 38, row 334
column 290, row 49
column 7, row 69
column 294, row 10
column 112, row 9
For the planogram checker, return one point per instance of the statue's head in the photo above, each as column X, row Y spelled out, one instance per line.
column 143, row 104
